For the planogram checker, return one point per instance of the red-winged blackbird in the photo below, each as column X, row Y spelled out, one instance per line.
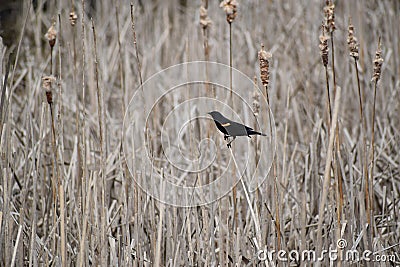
column 230, row 128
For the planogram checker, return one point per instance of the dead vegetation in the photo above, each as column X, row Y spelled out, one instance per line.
column 68, row 198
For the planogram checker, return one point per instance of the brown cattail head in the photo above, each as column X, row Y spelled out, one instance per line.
column 352, row 42
column 205, row 20
column 378, row 61
column 51, row 35
column 47, row 84
column 329, row 12
column 230, row 8
column 264, row 58
column 73, row 18
column 323, row 47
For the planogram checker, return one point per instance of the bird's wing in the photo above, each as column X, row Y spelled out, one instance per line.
column 236, row 129
column 248, row 128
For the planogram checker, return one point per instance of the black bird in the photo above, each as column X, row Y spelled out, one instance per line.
column 230, row 128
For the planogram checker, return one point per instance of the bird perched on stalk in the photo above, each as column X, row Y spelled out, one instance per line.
column 230, row 128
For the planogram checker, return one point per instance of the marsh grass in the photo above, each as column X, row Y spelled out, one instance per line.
column 67, row 197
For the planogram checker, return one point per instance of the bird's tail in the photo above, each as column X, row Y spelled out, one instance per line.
column 256, row 133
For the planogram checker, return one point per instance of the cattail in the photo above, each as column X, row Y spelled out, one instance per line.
column 73, row 18
column 230, row 8
column 264, row 58
column 378, row 63
column 205, row 20
column 51, row 35
column 323, row 47
column 352, row 42
column 329, row 11
column 47, row 84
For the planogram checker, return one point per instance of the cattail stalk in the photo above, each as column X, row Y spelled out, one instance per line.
column 60, row 179
column 330, row 26
column 354, row 53
column 73, row 17
column 329, row 11
column 135, row 45
column 230, row 8
column 121, row 73
column 47, row 85
column 324, row 49
column 378, row 61
column 100, row 103
column 230, row 59
column 264, row 58
column 139, row 66
column 85, row 193
column 205, row 23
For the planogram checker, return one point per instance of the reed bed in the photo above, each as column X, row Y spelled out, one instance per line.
column 69, row 195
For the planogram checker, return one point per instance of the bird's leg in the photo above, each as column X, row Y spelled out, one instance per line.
column 226, row 137
column 230, row 142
